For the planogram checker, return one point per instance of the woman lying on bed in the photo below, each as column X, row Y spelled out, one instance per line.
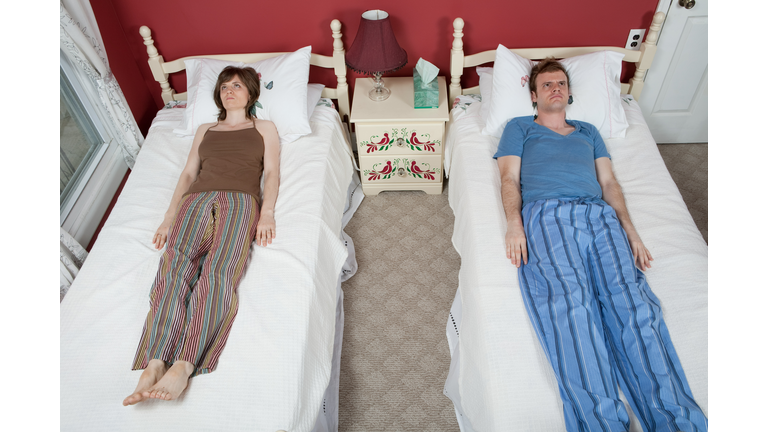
column 213, row 217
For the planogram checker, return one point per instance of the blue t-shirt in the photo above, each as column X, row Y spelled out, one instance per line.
column 553, row 165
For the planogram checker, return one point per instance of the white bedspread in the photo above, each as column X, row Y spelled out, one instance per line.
column 500, row 379
column 277, row 361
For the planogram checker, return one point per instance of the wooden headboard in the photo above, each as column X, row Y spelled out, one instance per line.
column 161, row 69
column 642, row 58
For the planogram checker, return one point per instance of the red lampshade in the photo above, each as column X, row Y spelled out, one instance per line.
column 375, row 49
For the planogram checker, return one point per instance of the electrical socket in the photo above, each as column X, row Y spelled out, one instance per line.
column 635, row 39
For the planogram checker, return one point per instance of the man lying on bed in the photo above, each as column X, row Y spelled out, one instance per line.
column 593, row 311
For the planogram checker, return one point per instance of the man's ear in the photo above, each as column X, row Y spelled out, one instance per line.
column 533, row 96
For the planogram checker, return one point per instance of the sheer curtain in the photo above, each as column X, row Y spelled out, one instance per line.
column 81, row 43
column 71, row 258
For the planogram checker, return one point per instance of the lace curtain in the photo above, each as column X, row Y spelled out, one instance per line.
column 71, row 258
column 81, row 42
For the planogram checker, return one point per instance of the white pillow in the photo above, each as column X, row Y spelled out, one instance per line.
column 283, row 97
column 595, row 87
column 314, row 91
column 201, row 77
column 486, row 88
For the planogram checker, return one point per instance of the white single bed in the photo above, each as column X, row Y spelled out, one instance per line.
column 500, row 378
column 280, row 367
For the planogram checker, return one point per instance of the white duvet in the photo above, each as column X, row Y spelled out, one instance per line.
column 277, row 361
column 500, row 379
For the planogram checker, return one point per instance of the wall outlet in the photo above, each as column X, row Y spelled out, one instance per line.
column 635, row 39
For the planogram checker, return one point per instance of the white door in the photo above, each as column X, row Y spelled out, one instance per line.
column 674, row 99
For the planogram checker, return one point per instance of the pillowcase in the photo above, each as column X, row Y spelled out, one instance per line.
column 486, row 87
column 594, row 84
column 283, row 97
column 201, row 77
column 314, row 91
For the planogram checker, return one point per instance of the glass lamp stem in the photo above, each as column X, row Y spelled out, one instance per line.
column 379, row 92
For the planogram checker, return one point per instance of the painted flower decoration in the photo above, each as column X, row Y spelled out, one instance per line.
column 524, row 80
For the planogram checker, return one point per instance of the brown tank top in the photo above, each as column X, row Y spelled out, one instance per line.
column 230, row 161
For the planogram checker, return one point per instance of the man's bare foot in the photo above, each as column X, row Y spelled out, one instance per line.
column 151, row 375
column 173, row 383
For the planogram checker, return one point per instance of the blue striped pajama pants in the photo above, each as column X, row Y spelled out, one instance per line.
column 599, row 323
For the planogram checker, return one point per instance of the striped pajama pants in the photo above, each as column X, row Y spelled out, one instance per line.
column 599, row 323
column 193, row 301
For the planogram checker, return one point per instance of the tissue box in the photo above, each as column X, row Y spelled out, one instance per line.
column 425, row 97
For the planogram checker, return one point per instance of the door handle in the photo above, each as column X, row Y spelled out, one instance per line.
column 688, row 4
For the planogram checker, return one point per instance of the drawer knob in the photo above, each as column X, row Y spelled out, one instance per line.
column 400, row 142
column 401, row 171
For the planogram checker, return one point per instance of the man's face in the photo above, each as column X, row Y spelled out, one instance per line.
column 551, row 91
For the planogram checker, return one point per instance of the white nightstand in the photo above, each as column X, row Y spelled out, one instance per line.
column 399, row 147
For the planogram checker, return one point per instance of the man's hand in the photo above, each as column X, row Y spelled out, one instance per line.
column 642, row 256
column 517, row 249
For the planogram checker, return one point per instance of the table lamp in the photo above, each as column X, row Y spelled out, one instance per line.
column 375, row 51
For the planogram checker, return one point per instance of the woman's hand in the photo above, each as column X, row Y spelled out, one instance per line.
column 642, row 256
column 161, row 235
column 265, row 229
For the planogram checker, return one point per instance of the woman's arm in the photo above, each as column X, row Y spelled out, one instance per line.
column 615, row 198
column 187, row 177
column 266, row 228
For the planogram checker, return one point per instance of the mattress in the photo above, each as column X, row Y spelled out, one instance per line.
column 279, row 359
column 499, row 377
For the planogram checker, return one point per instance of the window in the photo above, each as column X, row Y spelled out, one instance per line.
column 82, row 141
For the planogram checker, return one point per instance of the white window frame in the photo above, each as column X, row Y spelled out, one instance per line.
column 94, row 160
column 89, row 199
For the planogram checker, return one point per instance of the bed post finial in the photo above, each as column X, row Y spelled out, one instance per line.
column 457, row 59
column 653, row 34
column 340, row 69
column 156, row 64
column 648, row 51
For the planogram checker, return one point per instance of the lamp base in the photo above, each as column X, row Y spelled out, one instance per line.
column 379, row 92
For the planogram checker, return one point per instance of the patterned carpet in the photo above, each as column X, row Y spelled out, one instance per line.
column 395, row 358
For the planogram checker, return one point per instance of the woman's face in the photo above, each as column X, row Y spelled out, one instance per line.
column 234, row 95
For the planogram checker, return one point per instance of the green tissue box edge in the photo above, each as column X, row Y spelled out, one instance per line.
column 425, row 97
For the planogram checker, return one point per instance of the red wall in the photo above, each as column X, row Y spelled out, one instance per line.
column 423, row 28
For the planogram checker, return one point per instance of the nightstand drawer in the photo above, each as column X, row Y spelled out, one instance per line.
column 399, row 169
column 402, row 138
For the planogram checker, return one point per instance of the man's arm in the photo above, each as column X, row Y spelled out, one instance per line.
column 517, row 249
column 615, row 198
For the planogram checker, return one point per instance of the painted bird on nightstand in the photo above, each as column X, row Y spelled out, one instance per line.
column 427, row 145
column 372, row 147
column 427, row 174
column 375, row 175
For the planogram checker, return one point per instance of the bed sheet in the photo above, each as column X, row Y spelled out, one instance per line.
column 277, row 362
column 500, row 378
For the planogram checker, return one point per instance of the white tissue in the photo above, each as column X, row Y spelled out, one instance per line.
column 427, row 71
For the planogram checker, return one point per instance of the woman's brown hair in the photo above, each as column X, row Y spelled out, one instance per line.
column 250, row 79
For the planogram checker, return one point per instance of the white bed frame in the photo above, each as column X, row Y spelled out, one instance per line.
column 642, row 58
column 161, row 69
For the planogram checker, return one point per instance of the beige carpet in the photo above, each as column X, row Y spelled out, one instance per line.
column 395, row 357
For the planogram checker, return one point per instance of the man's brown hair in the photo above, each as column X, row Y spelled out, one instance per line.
column 549, row 64
column 250, row 79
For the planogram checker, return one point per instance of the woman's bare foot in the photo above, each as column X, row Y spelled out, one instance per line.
column 151, row 375
column 173, row 383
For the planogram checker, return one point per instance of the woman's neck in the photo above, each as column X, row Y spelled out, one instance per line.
column 235, row 118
